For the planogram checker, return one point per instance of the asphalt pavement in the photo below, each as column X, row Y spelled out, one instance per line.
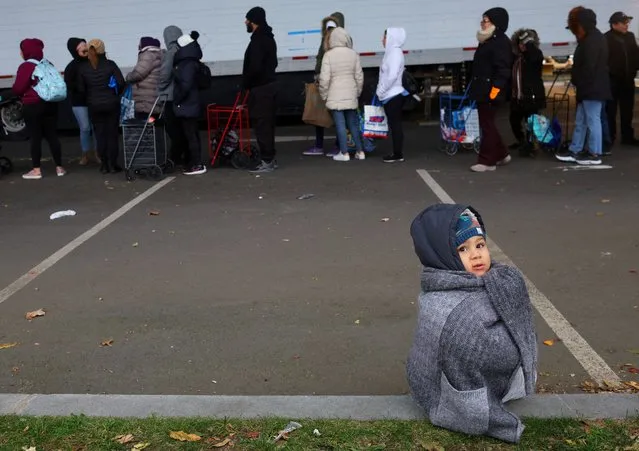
column 230, row 284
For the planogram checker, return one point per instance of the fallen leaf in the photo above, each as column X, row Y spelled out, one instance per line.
column 154, row 213
column 549, row 342
column 222, row 444
column 571, row 443
column 633, row 370
column 32, row 448
column 7, row 345
column 430, row 446
column 34, row 314
column 633, row 271
column 184, row 437
column 633, row 384
column 139, row 446
column 25, row 429
column 253, row 435
column 124, row 439
column 108, row 342
column 599, row 214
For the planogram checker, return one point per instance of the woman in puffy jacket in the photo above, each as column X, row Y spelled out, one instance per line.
column 103, row 83
column 341, row 82
column 492, row 66
column 145, row 76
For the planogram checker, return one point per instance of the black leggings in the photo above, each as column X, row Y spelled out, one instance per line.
column 191, row 132
column 106, row 124
column 41, row 120
column 393, row 111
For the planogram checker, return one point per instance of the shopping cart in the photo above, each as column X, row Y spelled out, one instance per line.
column 229, row 134
column 459, row 122
column 145, row 149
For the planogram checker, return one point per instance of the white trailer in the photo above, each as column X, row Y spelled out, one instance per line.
column 441, row 34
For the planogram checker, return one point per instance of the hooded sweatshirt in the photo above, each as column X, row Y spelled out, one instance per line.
column 475, row 343
column 260, row 58
column 23, row 84
column 165, row 86
column 145, row 77
column 341, row 79
column 336, row 17
column 590, row 69
column 71, row 73
column 392, row 68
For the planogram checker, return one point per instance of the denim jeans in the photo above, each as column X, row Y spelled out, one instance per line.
column 588, row 124
column 347, row 119
column 87, row 142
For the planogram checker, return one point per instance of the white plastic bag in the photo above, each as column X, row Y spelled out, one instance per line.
column 375, row 122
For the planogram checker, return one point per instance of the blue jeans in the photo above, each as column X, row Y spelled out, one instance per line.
column 81, row 114
column 588, row 123
column 347, row 119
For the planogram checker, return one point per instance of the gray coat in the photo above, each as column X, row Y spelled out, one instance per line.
column 145, row 78
column 475, row 343
column 171, row 35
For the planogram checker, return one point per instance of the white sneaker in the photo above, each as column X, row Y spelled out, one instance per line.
column 342, row 157
column 360, row 155
column 505, row 161
column 32, row 175
column 482, row 168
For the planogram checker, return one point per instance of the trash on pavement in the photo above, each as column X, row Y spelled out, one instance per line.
column 34, row 314
column 283, row 434
column 62, row 214
column 317, row 433
column 306, row 196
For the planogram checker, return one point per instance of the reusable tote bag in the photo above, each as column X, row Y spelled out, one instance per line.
column 375, row 121
column 315, row 111
column 127, row 106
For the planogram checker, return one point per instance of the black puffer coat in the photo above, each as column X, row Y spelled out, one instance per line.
column 528, row 91
column 186, row 96
column 493, row 61
column 95, row 83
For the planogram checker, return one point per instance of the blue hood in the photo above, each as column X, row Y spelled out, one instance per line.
column 433, row 232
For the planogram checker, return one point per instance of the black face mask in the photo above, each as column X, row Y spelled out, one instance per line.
column 249, row 27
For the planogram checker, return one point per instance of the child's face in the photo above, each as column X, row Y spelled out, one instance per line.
column 475, row 256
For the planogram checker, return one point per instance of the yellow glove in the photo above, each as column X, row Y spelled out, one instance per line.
column 494, row 92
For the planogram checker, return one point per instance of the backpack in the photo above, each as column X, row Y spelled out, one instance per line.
column 409, row 83
column 51, row 86
column 203, row 77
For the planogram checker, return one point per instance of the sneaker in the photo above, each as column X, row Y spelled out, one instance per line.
column 264, row 167
column 342, row 157
column 482, row 168
column 196, row 170
column 32, row 175
column 505, row 161
column 393, row 158
column 332, row 153
column 360, row 155
column 313, row 151
column 588, row 159
column 567, row 156
column 60, row 171
column 84, row 160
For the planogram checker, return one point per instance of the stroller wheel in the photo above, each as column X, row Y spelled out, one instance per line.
column 240, row 159
column 155, row 173
column 5, row 165
column 477, row 145
column 451, row 147
column 254, row 152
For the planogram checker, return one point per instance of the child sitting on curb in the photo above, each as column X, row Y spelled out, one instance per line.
column 475, row 346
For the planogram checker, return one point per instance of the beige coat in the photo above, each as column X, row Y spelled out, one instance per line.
column 341, row 78
column 145, row 78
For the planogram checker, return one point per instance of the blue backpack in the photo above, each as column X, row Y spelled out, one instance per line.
column 51, row 86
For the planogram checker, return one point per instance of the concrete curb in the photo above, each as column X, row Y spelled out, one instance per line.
column 613, row 406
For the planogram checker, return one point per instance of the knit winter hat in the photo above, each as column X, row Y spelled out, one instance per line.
column 468, row 226
column 257, row 15
column 499, row 17
column 187, row 39
column 98, row 45
column 147, row 41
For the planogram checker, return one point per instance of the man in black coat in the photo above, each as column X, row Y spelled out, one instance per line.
column 528, row 92
column 260, row 62
column 623, row 62
column 591, row 80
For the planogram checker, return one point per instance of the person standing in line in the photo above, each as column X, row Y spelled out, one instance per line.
column 258, row 77
column 623, row 61
column 145, row 76
column 173, row 129
column 591, row 79
column 491, row 77
column 40, row 117
column 390, row 90
column 186, row 99
column 328, row 24
column 340, row 85
column 102, row 82
column 79, row 51
column 528, row 91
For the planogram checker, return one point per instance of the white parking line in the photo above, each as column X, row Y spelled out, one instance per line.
column 594, row 365
column 48, row 262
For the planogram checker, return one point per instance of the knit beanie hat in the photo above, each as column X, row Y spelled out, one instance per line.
column 98, row 45
column 147, row 41
column 257, row 15
column 187, row 39
column 468, row 226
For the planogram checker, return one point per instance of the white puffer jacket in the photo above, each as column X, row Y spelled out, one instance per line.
column 341, row 79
